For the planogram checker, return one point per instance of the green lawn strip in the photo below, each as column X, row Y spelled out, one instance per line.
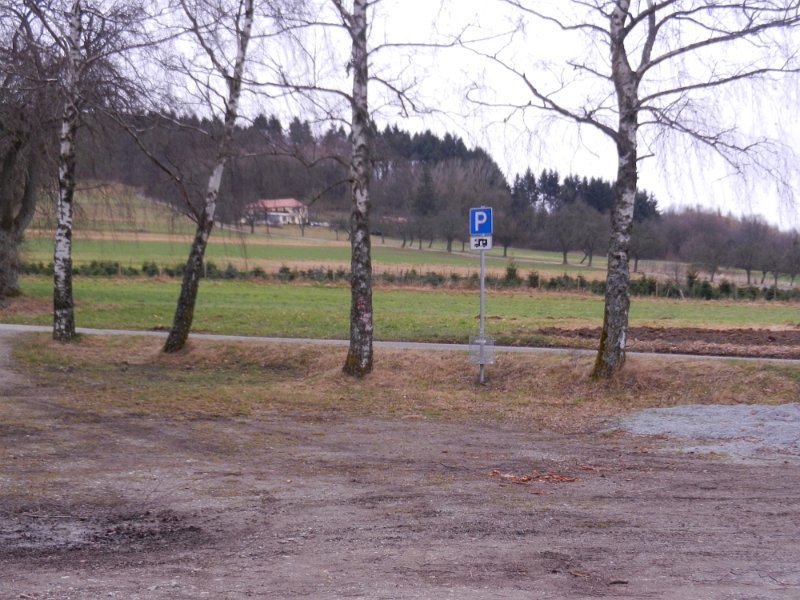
column 318, row 311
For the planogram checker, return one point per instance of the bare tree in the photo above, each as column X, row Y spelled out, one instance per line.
column 28, row 112
column 593, row 230
column 90, row 38
column 459, row 185
column 316, row 79
column 710, row 246
column 561, row 228
column 663, row 64
column 775, row 255
column 749, row 244
column 210, row 23
column 647, row 242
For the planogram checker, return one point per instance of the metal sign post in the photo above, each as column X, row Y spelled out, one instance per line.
column 480, row 230
column 482, row 332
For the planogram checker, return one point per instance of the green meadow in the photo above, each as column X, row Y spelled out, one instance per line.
column 321, row 311
column 121, row 227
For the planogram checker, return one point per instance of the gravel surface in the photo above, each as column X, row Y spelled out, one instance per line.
column 742, row 430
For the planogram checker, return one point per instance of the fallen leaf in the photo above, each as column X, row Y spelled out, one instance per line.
column 578, row 573
column 527, row 479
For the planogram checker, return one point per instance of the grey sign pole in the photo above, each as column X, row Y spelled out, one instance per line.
column 482, row 332
column 481, row 350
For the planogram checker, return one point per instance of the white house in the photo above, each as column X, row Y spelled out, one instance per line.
column 282, row 211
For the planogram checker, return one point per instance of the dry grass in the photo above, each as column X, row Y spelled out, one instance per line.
column 226, row 379
column 27, row 305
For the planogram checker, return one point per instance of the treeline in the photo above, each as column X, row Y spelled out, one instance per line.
column 271, row 161
column 711, row 242
column 423, row 186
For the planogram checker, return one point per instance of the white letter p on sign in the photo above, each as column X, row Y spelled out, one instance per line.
column 480, row 219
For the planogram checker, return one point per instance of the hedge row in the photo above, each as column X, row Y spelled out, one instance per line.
column 643, row 286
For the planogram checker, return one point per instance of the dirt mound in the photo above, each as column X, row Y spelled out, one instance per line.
column 764, row 343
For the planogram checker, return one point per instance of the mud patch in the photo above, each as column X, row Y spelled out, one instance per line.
column 32, row 531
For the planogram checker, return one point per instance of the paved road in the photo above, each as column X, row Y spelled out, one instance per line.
column 11, row 329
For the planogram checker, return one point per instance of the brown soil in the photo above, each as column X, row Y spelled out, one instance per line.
column 328, row 505
column 763, row 343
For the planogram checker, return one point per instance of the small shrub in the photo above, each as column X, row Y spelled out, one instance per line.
column 726, row 288
column 285, row 274
column 150, row 269
column 512, row 277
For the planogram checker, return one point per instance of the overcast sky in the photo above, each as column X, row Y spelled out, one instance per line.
column 677, row 174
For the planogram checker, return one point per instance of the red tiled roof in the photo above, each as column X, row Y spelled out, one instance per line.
column 279, row 203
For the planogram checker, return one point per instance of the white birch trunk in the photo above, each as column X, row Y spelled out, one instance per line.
column 611, row 352
column 359, row 356
column 63, row 305
column 184, row 312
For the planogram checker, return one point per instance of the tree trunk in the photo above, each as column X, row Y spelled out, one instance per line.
column 611, row 350
column 430, row 245
column 359, row 356
column 63, row 304
column 463, row 243
column 564, row 254
column 13, row 227
column 9, row 265
column 184, row 312
column 505, row 251
column 635, row 264
column 591, row 257
column 748, row 276
column 449, row 244
column 8, row 248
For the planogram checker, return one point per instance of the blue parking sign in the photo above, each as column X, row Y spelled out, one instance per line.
column 480, row 221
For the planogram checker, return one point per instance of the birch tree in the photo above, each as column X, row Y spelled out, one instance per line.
column 359, row 355
column 652, row 71
column 342, row 90
column 212, row 25
column 90, row 38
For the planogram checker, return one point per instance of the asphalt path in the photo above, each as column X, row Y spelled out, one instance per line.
column 12, row 329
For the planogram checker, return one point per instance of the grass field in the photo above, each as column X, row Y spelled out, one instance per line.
column 247, row 251
column 301, row 310
column 114, row 224
column 130, row 230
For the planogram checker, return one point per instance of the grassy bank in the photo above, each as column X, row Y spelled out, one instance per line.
column 112, row 376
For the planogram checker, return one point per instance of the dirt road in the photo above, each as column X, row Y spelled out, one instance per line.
column 335, row 506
